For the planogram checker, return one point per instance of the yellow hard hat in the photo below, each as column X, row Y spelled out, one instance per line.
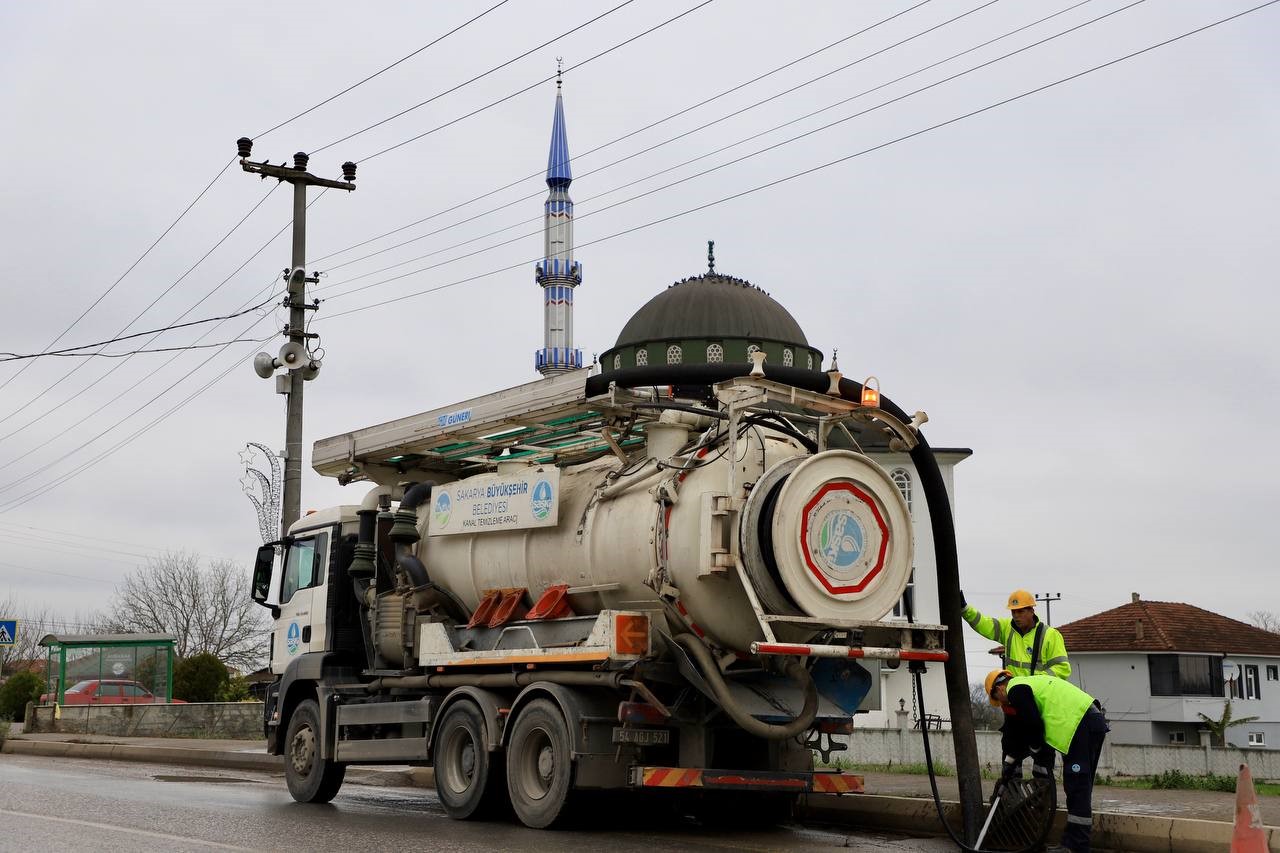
column 1020, row 598
column 994, row 676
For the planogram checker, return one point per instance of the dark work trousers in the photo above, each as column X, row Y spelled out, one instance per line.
column 1078, row 769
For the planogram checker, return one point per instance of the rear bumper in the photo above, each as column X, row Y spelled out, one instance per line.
column 745, row 780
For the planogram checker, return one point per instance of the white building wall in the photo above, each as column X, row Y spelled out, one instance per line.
column 1121, row 681
column 895, row 684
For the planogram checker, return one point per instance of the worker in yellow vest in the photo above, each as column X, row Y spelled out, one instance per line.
column 1029, row 645
column 1053, row 715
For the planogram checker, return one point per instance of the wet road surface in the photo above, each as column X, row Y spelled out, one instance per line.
column 59, row 804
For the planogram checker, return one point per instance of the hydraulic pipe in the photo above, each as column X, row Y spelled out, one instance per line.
column 498, row 679
column 792, row 668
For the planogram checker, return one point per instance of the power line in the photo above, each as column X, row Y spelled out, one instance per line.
column 85, row 550
column 14, row 503
column 109, row 429
column 822, row 166
column 52, row 572
column 626, row 136
column 63, row 534
column 153, row 372
column 736, row 160
column 995, row 105
column 468, row 82
column 382, row 70
column 228, row 165
column 535, row 85
column 9, row 356
column 689, row 133
column 207, row 187
column 128, row 353
column 138, row 316
column 137, row 261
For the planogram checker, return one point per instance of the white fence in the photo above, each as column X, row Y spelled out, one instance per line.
column 896, row 746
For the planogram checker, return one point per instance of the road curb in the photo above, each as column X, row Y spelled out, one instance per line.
column 1128, row 832
column 414, row 777
column 154, row 754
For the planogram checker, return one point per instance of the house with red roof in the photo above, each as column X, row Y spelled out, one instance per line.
column 1157, row 665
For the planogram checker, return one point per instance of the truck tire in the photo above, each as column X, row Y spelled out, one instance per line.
column 469, row 778
column 311, row 779
column 540, row 765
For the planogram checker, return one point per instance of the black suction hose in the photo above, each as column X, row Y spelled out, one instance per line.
column 793, row 669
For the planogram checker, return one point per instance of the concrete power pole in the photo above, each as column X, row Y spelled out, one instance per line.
column 294, row 355
column 1048, row 601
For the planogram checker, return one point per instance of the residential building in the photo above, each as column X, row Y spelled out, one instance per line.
column 1157, row 665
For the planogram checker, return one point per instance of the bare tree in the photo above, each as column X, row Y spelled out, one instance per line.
column 1265, row 619
column 206, row 608
column 34, row 622
column 985, row 715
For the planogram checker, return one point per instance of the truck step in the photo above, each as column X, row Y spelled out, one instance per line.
column 375, row 713
column 387, row 750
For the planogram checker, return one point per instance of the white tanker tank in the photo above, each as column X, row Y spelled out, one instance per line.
column 824, row 536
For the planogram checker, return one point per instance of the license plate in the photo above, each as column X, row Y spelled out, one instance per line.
column 642, row 737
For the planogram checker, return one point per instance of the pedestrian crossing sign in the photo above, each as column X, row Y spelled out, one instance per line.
column 8, row 632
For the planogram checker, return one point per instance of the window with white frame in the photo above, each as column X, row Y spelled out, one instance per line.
column 642, row 357
column 902, row 479
column 1252, row 684
column 674, row 354
column 811, row 361
column 1257, row 739
column 788, row 358
column 1177, row 737
column 1273, row 672
column 906, row 604
column 715, row 354
column 617, row 361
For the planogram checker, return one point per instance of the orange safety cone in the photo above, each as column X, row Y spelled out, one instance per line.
column 1248, row 836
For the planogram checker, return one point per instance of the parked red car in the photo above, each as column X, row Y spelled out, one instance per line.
column 107, row 692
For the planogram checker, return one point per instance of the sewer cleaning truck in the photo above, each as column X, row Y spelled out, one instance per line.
column 671, row 580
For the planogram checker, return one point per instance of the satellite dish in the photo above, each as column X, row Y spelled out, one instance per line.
column 264, row 365
column 292, row 355
column 1229, row 669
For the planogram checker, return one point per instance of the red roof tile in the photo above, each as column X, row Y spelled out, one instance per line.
column 1167, row 627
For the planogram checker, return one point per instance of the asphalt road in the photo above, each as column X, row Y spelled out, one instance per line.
column 63, row 804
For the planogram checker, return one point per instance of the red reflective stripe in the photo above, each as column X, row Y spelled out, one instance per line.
column 756, row 781
column 783, row 649
column 910, row 655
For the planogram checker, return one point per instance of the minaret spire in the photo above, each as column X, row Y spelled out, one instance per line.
column 558, row 274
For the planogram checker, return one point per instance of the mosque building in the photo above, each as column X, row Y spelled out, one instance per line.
column 715, row 318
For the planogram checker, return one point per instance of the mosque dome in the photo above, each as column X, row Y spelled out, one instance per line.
column 711, row 318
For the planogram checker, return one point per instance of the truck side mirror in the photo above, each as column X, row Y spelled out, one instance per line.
column 261, row 588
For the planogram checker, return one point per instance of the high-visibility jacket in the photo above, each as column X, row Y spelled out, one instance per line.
column 1061, row 704
column 1019, row 648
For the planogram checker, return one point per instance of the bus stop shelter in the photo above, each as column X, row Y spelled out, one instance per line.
column 143, row 658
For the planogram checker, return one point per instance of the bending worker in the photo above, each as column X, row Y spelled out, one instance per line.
column 1030, row 647
column 1053, row 715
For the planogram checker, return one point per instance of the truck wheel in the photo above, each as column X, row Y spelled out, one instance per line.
column 469, row 778
column 311, row 779
column 539, row 767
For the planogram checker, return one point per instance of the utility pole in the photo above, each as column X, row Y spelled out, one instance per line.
column 1048, row 603
column 294, row 356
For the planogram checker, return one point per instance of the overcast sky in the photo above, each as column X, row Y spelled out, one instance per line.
column 1079, row 285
